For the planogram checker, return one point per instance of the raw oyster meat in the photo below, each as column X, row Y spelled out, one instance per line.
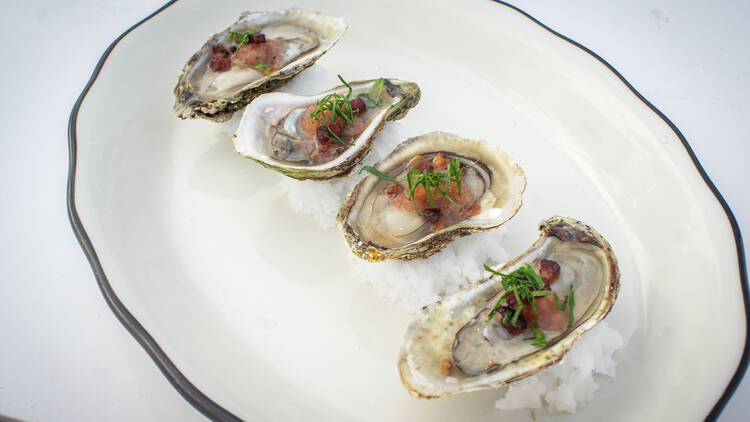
column 452, row 346
column 280, row 130
column 481, row 189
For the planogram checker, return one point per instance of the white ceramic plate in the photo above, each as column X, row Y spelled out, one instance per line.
column 253, row 312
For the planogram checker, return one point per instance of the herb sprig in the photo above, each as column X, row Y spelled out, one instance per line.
column 334, row 107
column 569, row 302
column 539, row 340
column 266, row 69
column 526, row 285
column 377, row 86
column 241, row 38
column 434, row 182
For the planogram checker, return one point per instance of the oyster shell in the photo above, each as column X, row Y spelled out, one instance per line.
column 481, row 354
column 296, row 39
column 376, row 229
column 273, row 129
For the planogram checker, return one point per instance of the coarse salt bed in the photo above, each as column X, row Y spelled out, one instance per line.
column 571, row 383
column 413, row 284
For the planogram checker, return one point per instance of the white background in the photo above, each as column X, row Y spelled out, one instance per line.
column 63, row 354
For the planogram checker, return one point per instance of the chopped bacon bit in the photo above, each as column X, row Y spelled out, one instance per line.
column 257, row 37
column 323, row 133
column 446, row 365
column 439, row 162
column 413, row 161
column 520, row 326
column 432, row 215
column 422, row 165
column 359, row 105
column 549, row 270
column 393, row 189
column 513, row 303
column 220, row 61
column 546, row 283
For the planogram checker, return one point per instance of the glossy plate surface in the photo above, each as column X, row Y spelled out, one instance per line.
column 254, row 312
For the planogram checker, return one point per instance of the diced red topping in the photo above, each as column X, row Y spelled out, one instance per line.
column 420, row 163
column 439, row 162
column 220, row 60
column 549, row 270
column 446, row 365
column 257, row 37
column 393, row 189
column 325, row 134
column 504, row 316
column 359, row 105
column 550, row 316
column 431, row 215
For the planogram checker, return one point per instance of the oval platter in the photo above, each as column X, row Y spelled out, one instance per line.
column 201, row 258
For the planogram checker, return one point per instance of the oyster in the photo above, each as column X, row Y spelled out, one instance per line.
column 278, row 129
column 480, row 190
column 258, row 53
column 452, row 348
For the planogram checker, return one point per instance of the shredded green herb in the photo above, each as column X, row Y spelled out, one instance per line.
column 334, row 107
column 258, row 66
column 262, row 67
column 241, row 38
column 539, row 340
column 432, row 181
column 376, row 87
column 571, row 304
column 526, row 285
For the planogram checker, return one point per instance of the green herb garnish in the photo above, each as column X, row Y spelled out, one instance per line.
column 241, row 38
column 539, row 340
column 432, row 181
column 259, row 66
column 334, row 107
column 376, row 87
column 524, row 283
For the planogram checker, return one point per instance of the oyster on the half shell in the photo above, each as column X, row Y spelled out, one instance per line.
column 278, row 130
column 451, row 347
column 220, row 78
column 385, row 220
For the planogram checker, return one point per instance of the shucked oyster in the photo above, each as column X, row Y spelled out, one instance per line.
column 426, row 192
column 258, row 53
column 479, row 338
column 324, row 135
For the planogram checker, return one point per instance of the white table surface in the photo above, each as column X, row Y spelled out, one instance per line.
column 63, row 354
